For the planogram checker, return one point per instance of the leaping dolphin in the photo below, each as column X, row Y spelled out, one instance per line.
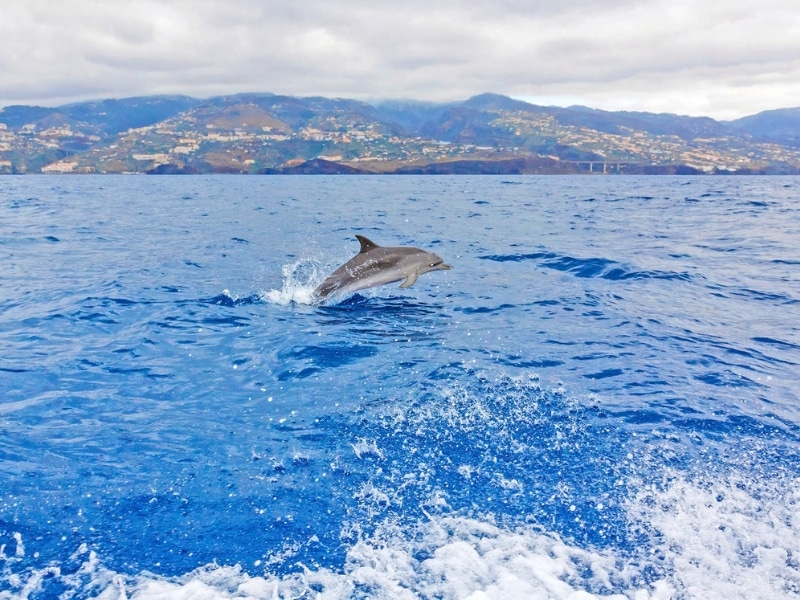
column 378, row 265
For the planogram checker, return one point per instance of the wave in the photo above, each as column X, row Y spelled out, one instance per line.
column 782, row 344
column 317, row 358
column 589, row 267
column 778, row 298
column 484, row 309
column 231, row 300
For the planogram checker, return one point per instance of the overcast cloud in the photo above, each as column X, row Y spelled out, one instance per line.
column 722, row 59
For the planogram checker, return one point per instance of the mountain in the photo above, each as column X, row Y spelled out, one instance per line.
column 488, row 133
column 779, row 126
column 409, row 115
column 105, row 117
column 115, row 116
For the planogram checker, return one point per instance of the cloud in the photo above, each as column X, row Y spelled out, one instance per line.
column 721, row 59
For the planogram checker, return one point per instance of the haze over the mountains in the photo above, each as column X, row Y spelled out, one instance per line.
column 725, row 60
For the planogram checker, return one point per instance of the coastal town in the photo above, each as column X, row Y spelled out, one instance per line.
column 262, row 135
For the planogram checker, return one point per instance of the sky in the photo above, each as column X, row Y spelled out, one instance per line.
column 719, row 58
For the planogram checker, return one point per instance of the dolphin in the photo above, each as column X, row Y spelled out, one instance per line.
column 378, row 265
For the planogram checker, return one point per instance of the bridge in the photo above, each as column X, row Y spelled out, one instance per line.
column 607, row 167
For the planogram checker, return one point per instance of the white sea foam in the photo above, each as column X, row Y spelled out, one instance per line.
column 726, row 539
column 707, row 540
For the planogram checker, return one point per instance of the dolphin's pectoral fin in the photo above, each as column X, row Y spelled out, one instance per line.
column 410, row 280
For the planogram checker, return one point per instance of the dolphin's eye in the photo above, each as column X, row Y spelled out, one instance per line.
column 433, row 264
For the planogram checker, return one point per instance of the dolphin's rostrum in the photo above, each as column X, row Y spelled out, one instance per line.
column 378, row 265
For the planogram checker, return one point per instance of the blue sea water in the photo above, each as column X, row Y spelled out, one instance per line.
column 600, row 399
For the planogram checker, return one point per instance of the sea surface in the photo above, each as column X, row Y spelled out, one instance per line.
column 600, row 400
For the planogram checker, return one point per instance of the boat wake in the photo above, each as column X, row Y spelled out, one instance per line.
column 693, row 547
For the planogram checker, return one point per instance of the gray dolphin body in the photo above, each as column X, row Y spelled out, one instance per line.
column 378, row 265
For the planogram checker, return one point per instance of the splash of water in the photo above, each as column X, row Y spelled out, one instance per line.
column 300, row 279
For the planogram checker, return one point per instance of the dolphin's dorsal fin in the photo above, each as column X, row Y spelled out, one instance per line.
column 366, row 244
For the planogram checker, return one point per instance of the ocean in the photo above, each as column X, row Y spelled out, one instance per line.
column 600, row 400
